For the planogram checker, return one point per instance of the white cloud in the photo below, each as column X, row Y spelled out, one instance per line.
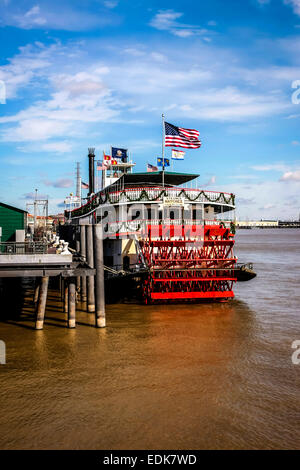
column 293, row 116
column 60, row 183
column 134, row 51
column 291, row 176
column 74, row 99
column 210, row 182
column 265, row 199
column 157, row 56
column 57, row 147
column 32, row 18
column 268, row 206
column 270, row 167
column 72, row 92
column 51, row 147
column 167, row 20
column 35, row 129
column 111, row 3
column 80, row 84
column 57, row 16
column 29, row 65
column 295, row 4
column 231, row 104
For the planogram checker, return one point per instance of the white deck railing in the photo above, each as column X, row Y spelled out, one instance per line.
column 140, row 225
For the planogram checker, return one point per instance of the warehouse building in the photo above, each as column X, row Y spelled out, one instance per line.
column 13, row 222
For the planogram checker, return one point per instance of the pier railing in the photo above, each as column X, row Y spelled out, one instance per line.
column 23, row 248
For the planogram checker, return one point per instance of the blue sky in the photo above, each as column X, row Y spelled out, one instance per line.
column 95, row 73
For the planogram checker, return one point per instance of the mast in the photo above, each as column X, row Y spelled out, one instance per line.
column 35, row 212
column 91, row 157
column 163, row 149
column 78, row 183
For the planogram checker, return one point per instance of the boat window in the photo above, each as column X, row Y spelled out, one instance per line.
column 136, row 215
column 126, row 263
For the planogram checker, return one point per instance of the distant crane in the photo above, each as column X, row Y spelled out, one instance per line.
column 38, row 203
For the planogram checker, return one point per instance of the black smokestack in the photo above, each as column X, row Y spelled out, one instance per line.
column 91, row 157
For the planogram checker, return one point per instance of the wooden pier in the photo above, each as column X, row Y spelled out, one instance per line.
column 80, row 273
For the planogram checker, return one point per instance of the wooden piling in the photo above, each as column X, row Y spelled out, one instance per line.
column 72, row 304
column 61, row 288
column 83, row 253
column 78, row 279
column 66, row 295
column 36, row 291
column 100, row 319
column 40, row 314
column 90, row 261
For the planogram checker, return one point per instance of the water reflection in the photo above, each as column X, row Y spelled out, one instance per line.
column 167, row 376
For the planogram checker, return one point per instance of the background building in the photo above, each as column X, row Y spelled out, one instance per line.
column 12, row 219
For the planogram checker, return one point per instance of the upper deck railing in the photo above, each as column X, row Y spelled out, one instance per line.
column 153, row 195
column 23, row 248
column 140, row 225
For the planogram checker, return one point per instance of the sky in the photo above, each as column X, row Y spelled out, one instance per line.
column 94, row 73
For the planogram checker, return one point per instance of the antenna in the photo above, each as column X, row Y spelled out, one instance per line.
column 78, row 182
column 91, row 157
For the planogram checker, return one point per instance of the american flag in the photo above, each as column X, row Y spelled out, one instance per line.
column 102, row 165
column 151, row 168
column 180, row 137
column 84, row 185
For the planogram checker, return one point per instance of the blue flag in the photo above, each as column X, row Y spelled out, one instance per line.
column 160, row 162
column 119, row 153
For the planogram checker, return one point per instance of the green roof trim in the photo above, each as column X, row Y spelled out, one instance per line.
column 7, row 206
column 155, row 177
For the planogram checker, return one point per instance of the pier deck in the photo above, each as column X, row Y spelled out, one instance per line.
column 40, row 265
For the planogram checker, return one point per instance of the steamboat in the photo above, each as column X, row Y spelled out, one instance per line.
column 163, row 240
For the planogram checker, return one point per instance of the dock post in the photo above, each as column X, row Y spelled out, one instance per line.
column 36, row 291
column 72, row 304
column 66, row 295
column 40, row 314
column 100, row 319
column 60, row 286
column 78, row 283
column 90, row 261
column 83, row 253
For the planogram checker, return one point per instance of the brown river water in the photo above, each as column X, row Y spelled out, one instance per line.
column 205, row 376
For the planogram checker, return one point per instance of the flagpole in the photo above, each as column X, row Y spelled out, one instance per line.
column 163, row 149
column 103, row 172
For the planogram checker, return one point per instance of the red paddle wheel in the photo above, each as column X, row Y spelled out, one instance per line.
column 188, row 262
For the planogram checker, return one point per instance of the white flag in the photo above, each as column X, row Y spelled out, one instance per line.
column 178, row 154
